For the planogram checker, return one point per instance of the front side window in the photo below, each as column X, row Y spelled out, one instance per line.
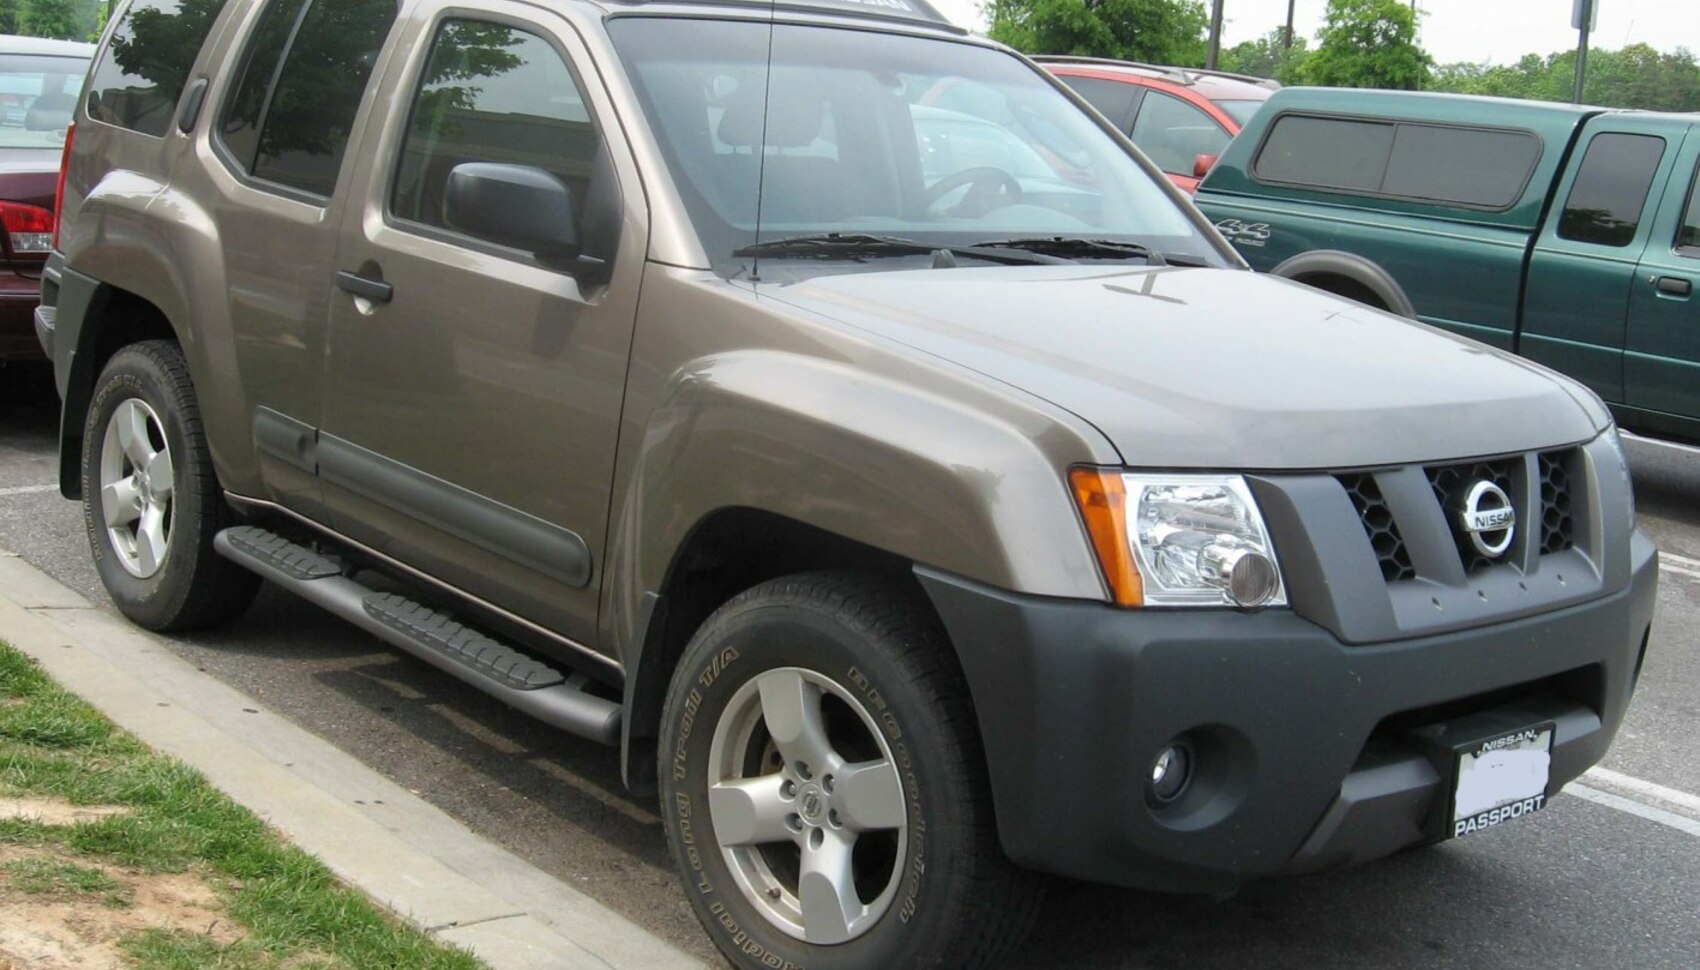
column 855, row 132
column 142, row 73
column 305, row 70
column 1611, row 188
column 1174, row 133
column 493, row 93
column 38, row 96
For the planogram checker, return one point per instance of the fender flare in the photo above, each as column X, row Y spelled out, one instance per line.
column 1350, row 267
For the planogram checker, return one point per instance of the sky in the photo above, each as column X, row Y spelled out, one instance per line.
column 1496, row 31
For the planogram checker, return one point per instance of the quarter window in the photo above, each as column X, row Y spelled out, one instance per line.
column 305, row 71
column 1611, row 189
column 1173, row 133
column 1688, row 237
column 142, row 72
column 1480, row 168
column 493, row 93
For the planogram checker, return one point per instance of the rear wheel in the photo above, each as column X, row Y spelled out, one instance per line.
column 151, row 501
column 824, row 788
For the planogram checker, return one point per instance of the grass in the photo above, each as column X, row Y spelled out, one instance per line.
column 297, row 916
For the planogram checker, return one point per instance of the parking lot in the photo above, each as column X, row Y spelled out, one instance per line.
column 1605, row 877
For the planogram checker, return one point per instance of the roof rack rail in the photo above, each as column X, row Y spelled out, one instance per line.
column 1175, row 75
column 1262, row 82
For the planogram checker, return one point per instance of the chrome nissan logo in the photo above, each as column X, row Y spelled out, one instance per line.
column 1488, row 519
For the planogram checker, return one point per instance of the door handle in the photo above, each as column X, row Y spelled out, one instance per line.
column 1674, row 286
column 362, row 286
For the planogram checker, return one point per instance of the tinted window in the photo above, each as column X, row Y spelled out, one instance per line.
column 1688, row 237
column 492, row 93
column 1611, row 188
column 38, row 95
column 1482, row 168
column 1327, row 152
column 143, row 71
column 1466, row 166
column 1113, row 99
column 1173, row 133
column 240, row 127
column 310, row 113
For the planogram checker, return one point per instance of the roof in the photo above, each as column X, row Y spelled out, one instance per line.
column 913, row 12
column 14, row 44
column 1215, row 85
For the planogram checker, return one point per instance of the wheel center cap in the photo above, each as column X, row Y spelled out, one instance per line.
column 811, row 804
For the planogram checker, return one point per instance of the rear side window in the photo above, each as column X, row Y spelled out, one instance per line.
column 1688, row 236
column 493, row 93
column 141, row 74
column 1478, row 168
column 1611, row 188
column 1113, row 99
column 305, row 70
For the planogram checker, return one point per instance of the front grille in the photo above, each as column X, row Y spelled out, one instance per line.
column 1378, row 524
column 1451, row 482
column 1557, row 525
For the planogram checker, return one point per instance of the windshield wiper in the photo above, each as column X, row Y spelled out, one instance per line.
column 846, row 245
column 1078, row 247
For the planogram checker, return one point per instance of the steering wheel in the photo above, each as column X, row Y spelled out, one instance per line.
column 985, row 184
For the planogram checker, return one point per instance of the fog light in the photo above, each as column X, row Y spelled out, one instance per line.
column 1169, row 773
column 1249, row 577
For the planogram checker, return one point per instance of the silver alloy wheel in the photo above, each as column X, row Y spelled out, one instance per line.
column 789, row 809
column 136, row 483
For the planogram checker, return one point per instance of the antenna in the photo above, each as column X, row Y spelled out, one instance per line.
column 761, row 149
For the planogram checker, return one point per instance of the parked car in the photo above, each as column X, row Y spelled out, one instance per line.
column 39, row 83
column 1570, row 235
column 699, row 378
column 1182, row 117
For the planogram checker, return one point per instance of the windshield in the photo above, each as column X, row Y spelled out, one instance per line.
column 37, row 98
column 1240, row 111
column 938, row 142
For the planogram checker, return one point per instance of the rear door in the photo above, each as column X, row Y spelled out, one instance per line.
column 1661, row 362
column 474, row 390
column 1588, row 255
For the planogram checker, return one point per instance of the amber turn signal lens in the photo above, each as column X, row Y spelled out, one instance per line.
column 1102, row 498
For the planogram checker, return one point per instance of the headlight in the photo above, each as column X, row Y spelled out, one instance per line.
column 1179, row 540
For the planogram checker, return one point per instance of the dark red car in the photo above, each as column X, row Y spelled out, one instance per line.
column 1176, row 115
column 40, row 81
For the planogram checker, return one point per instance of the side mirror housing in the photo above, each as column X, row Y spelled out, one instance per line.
column 1202, row 164
column 521, row 207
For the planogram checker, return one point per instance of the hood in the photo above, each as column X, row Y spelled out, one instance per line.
column 1197, row 368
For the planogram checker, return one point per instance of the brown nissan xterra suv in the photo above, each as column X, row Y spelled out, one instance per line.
column 826, row 408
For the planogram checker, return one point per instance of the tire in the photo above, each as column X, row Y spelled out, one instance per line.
column 877, row 775
column 152, row 544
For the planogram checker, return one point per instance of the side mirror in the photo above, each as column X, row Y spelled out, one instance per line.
column 522, row 207
column 1202, row 164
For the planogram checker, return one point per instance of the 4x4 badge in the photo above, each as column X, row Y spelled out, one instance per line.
column 1488, row 519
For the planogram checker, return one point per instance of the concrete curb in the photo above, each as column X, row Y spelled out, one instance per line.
column 396, row 847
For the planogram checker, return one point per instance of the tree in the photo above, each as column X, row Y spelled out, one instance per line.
column 1157, row 31
column 1635, row 77
column 52, row 18
column 11, row 19
column 1269, row 57
column 1368, row 44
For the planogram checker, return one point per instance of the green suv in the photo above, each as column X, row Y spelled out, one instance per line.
column 818, row 405
column 1569, row 235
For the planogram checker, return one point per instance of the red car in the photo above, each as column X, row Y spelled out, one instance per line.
column 40, row 81
column 1181, row 117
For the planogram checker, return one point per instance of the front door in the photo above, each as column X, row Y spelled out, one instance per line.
column 474, row 391
column 1661, row 364
column 1588, row 252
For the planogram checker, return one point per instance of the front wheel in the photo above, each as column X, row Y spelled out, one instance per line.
column 151, row 501
column 824, row 788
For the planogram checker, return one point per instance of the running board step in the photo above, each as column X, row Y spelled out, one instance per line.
column 517, row 679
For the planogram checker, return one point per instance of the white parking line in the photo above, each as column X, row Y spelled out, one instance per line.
column 1607, row 778
column 1670, row 562
column 1679, row 822
column 27, row 490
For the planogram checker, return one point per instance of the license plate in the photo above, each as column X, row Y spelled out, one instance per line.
column 1500, row 779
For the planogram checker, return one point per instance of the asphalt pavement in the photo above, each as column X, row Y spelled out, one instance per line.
column 1605, row 877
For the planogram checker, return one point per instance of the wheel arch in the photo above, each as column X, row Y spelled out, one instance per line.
column 1348, row 275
